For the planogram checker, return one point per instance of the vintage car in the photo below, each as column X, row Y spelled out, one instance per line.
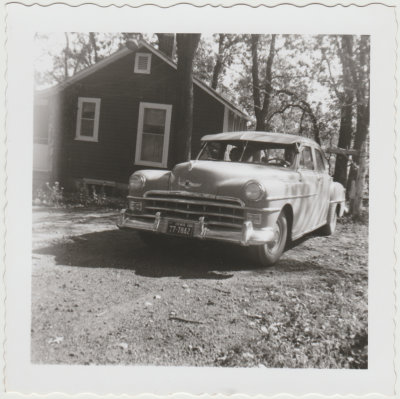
column 255, row 189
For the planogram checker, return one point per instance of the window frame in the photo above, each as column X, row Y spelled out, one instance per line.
column 312, row 158
column 136, row 66
column 139, row 137
column 323, row 160
column 95, row 137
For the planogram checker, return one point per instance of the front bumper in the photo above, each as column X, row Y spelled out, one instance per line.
column 246, row 236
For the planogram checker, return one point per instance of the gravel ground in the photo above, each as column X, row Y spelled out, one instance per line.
column 100, row 296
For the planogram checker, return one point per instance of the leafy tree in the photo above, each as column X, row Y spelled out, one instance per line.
column 80, row 50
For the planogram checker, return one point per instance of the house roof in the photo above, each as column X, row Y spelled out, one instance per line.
column 267, row 137
column 132, row 47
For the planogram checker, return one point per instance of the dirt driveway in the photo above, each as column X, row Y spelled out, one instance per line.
column 100, row 296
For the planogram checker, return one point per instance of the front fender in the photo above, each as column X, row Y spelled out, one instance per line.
column 154, row 180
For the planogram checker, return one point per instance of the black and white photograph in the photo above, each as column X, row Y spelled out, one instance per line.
column 240, row 165
column 208, row 199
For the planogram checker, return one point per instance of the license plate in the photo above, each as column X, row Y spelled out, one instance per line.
column 180, row 229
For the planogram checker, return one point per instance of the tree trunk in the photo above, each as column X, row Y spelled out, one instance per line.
column 166, row 43
column 346, row 110
column 360, row 181
column 92, row 39
column 186, row 48
column 315, row 126
column 261, row 112
column 268, row 81
column 66, row 55
column 218, row 62
column 361, row 79
column 256, row 82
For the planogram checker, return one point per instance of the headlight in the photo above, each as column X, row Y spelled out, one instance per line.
column 254, row 191
column 137, row 181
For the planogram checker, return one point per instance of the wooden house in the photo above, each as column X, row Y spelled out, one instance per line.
column 118, row 116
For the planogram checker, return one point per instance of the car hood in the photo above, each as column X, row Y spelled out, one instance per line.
column 223, row 178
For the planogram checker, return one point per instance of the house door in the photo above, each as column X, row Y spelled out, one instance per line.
column 41, row 150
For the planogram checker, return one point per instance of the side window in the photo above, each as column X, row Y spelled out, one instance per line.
column 152, row 141
column 87, row 122
column 319, row 160
column 306, row 161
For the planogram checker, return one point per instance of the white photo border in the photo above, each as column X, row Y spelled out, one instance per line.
column 20, row 376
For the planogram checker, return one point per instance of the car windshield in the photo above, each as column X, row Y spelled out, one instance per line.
column 271, row 154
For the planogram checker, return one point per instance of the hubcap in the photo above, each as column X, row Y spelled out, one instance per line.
column 273, row 245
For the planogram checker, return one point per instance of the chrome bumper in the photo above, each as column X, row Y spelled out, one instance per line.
column 246, row 236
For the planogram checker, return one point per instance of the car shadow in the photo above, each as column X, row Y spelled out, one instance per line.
column 187, row 259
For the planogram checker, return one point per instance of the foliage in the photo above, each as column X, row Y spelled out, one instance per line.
column 74, row 51
column 49, row 195
column 305, row 336
column 311, row 85
column 85, row 196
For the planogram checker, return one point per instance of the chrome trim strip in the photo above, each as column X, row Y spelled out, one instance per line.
column 190, row 194
column 186, row 211
column 264, row 209
column 291, row 197
column 209, row 223
column 246, row 208
column 194, row 202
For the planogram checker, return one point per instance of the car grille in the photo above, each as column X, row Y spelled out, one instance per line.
column 220, row 211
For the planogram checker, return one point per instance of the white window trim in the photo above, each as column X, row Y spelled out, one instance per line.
column 95, row 136
column 139, row 137
column 136, row 69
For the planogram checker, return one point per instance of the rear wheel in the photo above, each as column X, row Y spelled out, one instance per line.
column 268, row 254
column 330, row 226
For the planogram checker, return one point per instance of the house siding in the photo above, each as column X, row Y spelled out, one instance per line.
column 208, row 117
column 121, row 91
column 112, row 157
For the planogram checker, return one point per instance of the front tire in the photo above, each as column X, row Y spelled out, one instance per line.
column 268, row 254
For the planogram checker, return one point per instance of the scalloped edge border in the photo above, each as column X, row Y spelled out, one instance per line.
column 197, row 4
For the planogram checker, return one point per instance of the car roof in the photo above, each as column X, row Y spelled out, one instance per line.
column 266, row 137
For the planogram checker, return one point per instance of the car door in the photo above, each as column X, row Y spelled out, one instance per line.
column 306, row 215
column 323, row 186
